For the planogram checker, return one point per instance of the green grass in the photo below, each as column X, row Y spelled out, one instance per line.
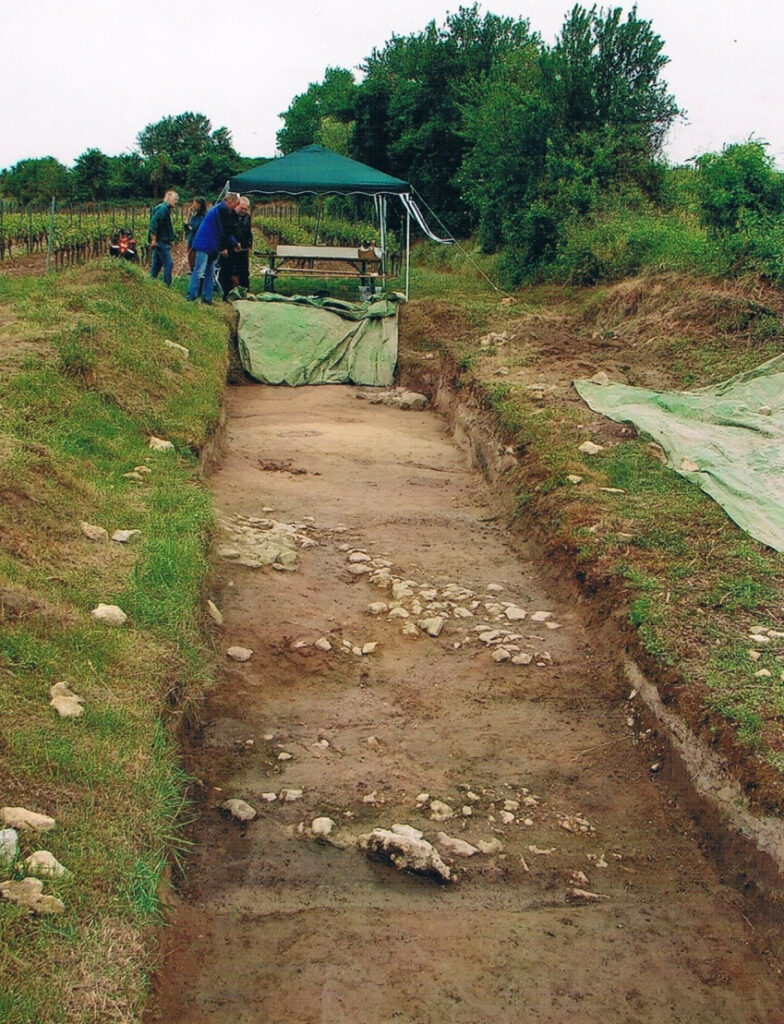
column 78, row 409
column 690, row 584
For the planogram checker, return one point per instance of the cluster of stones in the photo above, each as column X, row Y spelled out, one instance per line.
column 28, row 892
column 255, row 541
column 766, row 639
column 400, row 398
column 423, row 608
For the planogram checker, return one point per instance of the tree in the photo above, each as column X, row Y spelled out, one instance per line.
column 409, row 109
column 129, row 176
column 312, row 115
column 552, row 132
column 90, row 175
column 37, row 180
column 738, row 186
column 175, row 142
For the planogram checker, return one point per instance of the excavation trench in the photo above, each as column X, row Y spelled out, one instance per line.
column 604, row 899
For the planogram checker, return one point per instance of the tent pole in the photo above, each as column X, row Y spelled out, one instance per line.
column 408, row 248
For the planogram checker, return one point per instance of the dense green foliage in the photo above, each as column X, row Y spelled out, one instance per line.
column 500, row 133
column 181, row 152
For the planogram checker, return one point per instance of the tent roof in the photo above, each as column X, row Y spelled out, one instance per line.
column 316, row 169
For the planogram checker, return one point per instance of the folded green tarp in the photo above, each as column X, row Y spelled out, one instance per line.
column 304, row 340
column 728, row 439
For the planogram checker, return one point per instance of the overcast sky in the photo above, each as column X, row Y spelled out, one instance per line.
column 81, row 73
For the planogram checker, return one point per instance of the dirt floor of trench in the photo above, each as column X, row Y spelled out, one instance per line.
column 274, row 924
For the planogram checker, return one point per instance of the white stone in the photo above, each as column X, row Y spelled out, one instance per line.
column 514, row 613
column 432, row 627
column 541, row 616
column 157, row 444
column 523, row 658
column 288, row 796
column 574, row 478
column 553, row 625
column 176, row 347
column 401, row 589
column 408, row 831
column 410, row 629
column 755, row 655
column 378, row 608
column 511, row 805
column 29, row 893
column 506, row 817
column 214, row 613
column 462, row 613
column 20, row 818
column 111, row 614
column 94, row 532
column 269, row 798
column 359, row 569
column 133, row 475
column 589, row 448
column 322, row 826
column 759, row 638
column 428, row 595
column 239, row 809
column 500, row 654
column 356, row 557
column 284, row 755
column 323, row 644
column 412, row 400
column 124, row 536
column 370, row 647
column 764, row 673
column 240, row 653
column 398, row 613
column 9, row 846
column 490, row 846
column 490, row 635
column 495, row 588
column 65, row 702
column 405, row 853
column 467, row 811
column 422, row 798
column 44, row 863
column 456, row 847
column 439, row 811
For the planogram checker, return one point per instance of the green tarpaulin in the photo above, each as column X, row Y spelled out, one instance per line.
column 728, row 439
column 319, row 170
column 302, row 340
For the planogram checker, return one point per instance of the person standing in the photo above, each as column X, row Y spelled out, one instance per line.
column 161, row 237
column 192, row 225
column 235, row 267
column 215, row 236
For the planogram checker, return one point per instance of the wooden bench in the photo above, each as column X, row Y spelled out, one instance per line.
column 304, row 260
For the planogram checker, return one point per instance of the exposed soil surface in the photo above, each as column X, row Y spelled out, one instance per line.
column 276, row 925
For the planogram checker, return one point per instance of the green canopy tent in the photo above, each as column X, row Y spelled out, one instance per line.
column 315, row 170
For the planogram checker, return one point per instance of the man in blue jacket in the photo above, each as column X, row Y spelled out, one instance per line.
column 214, row 237
column 161, row 237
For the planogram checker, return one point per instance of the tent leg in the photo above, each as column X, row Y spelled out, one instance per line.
column 408, row 251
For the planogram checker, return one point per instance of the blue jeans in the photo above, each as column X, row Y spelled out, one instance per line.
column 203, row 268
column 162, row 260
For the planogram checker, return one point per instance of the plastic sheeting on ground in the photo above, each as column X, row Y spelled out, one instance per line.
column 728, row 439
column 302, row 340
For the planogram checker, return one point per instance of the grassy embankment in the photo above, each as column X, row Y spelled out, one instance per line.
column 86, row 380
column 686, row 584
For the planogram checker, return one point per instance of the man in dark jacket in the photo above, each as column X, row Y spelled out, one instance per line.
column 214, row 237
column 161, row 237
column 235, row 268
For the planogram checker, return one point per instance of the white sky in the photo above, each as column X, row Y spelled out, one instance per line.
column 81, row 73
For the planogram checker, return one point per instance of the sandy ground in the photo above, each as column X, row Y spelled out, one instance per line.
column 275, row 925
